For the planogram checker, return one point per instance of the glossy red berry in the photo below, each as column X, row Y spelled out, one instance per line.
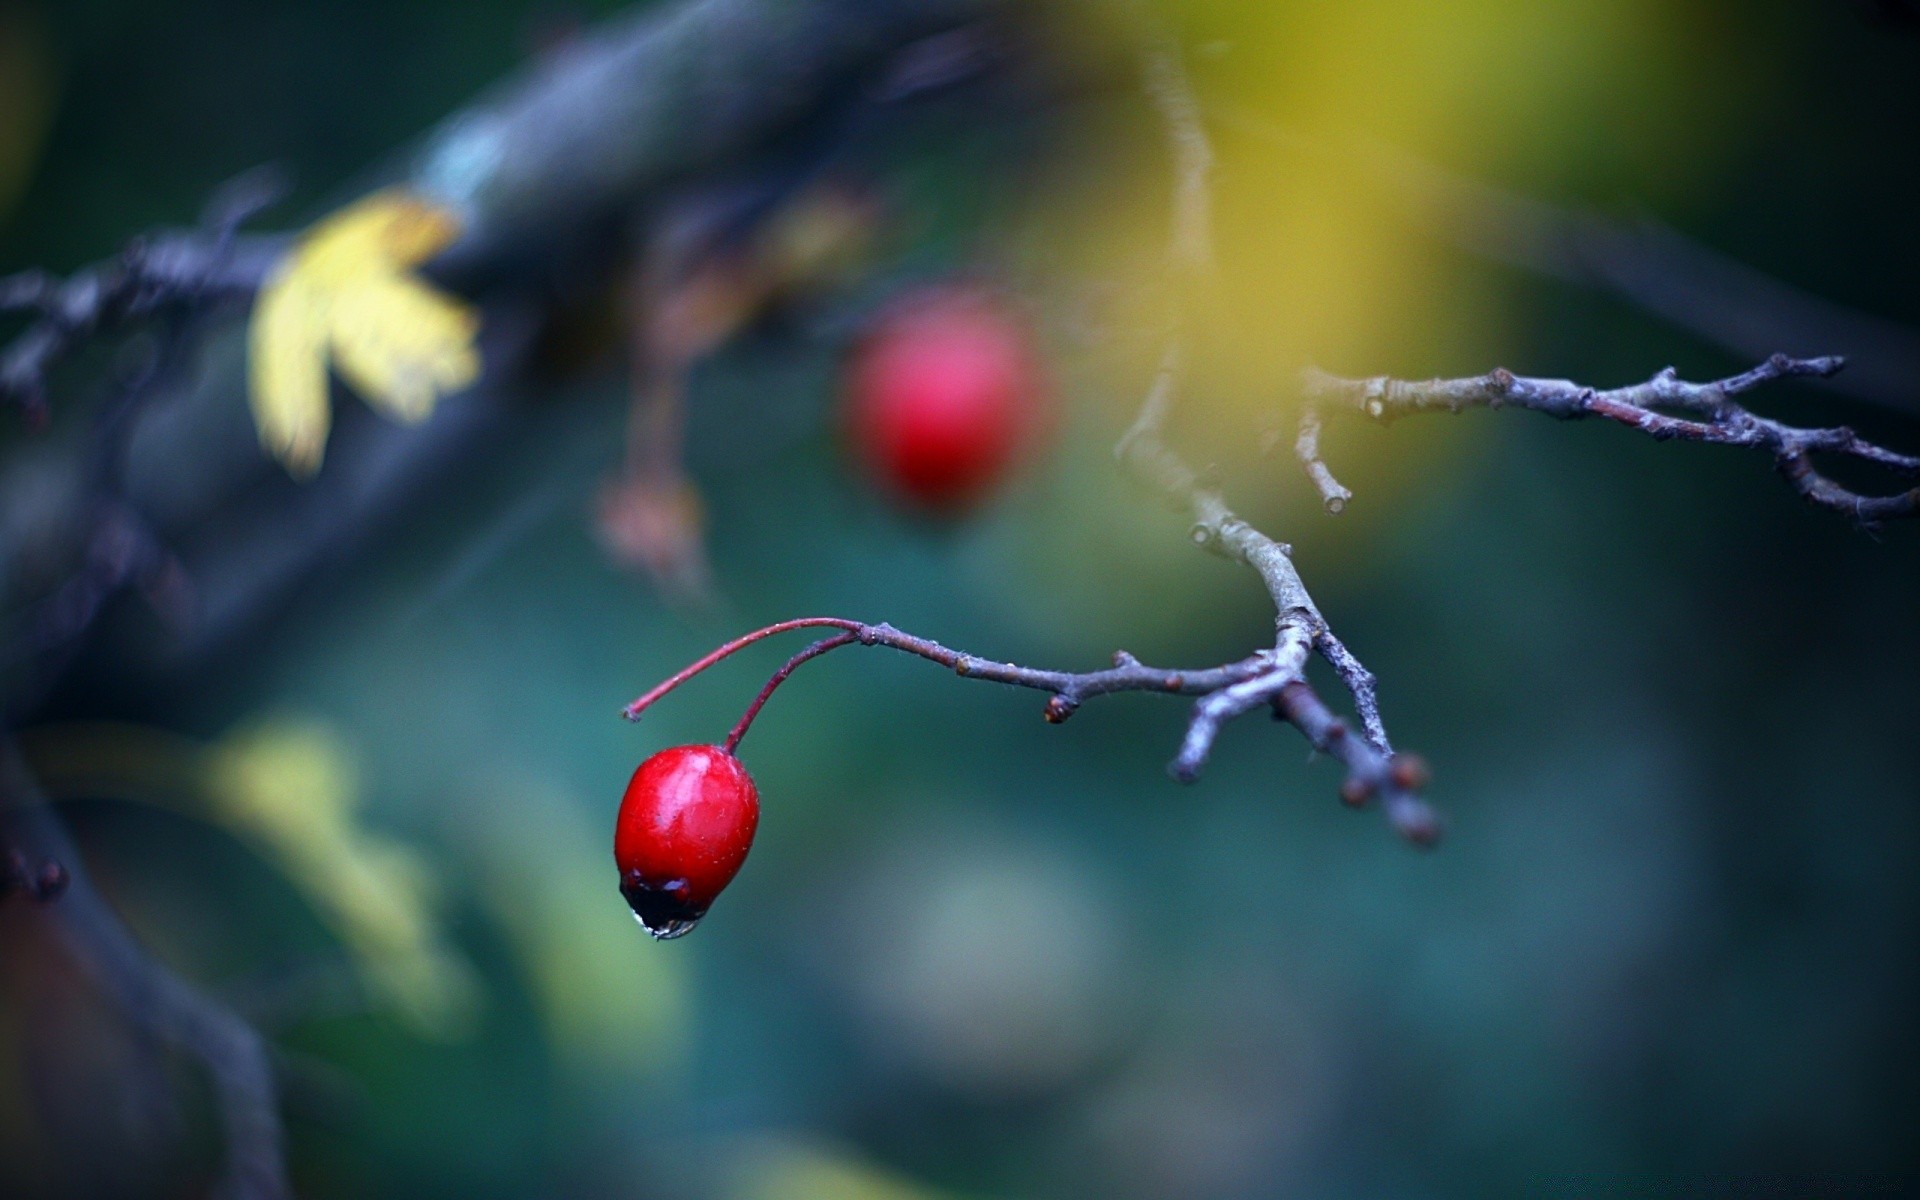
column 942, row 396
column 685, row 826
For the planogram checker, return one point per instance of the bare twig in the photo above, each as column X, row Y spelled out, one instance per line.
column 779, row 677
column 153, row 997
column 1299, row 629
column 1191, row 247
column 1648, row 264
column 1307, row 448
column 1713, row 416
column 1273, row 677
column 179, row 271
column 1268, row 678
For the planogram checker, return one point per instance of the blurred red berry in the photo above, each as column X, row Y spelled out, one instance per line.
column 685, row 826
column 942, row 395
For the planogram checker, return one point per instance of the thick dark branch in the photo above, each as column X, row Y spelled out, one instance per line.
column 549, row 173
column 154, row 998
column 1714, row 417
column 655, row 98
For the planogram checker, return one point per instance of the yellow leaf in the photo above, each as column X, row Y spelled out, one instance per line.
column 403, row 347
column 287, row 356
column 345, row 296
column 794, row 1170
column 291, row 786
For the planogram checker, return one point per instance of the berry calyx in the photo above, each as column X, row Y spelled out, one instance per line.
column 942, row 395
column 685, row 826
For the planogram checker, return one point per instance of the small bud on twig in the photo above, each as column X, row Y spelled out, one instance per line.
column 1355, row 791
column 1409, row 772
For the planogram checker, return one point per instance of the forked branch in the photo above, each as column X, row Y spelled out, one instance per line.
column 1709, row 413
column 186, row 271
column 1300, row 631
column 1267, row 679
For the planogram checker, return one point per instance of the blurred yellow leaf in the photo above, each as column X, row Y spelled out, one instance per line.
column 799, row 1171
column 291, row 786
column 345, row 296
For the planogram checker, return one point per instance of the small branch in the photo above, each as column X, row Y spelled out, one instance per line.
column 1273, row 677
column 1269, row 678
column 1652, row 266
column 177, row 272
column 1307, row 448
column 1191, row 247
column 632, row 711
column 1396, row 778
column 1714, row 417
column 1359, row 681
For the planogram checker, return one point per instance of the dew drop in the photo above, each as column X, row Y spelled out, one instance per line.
column 662, row 910
column 665, row 929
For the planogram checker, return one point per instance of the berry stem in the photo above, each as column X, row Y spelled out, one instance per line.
column 632, row 711
column 779, row 677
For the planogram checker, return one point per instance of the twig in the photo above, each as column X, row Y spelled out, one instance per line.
column 1268, row 678
column 1650, row 265
column 182, row 271
column 1273, row 677
column 156, row 999
column 820, row 647
column 1713, row 416
column 1191, row 247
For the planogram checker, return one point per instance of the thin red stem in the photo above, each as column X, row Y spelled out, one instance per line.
column 633, row 711
column 779, row 677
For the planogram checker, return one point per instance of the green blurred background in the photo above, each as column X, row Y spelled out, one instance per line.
column 1670, row 942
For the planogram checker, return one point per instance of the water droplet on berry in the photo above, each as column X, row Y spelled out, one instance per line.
column 665, row 929
column 663, row 909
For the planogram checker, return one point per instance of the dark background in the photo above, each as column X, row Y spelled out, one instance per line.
column 1669, row 944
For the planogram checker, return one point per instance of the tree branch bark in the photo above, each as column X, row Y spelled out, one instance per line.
column 547, row 173
column 1714, row 417
column 154, row 998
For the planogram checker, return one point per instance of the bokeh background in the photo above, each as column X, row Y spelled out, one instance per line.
column 1669, row 944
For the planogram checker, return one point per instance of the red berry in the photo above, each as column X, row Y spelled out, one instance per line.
column 685, row 826
column 942, row 395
